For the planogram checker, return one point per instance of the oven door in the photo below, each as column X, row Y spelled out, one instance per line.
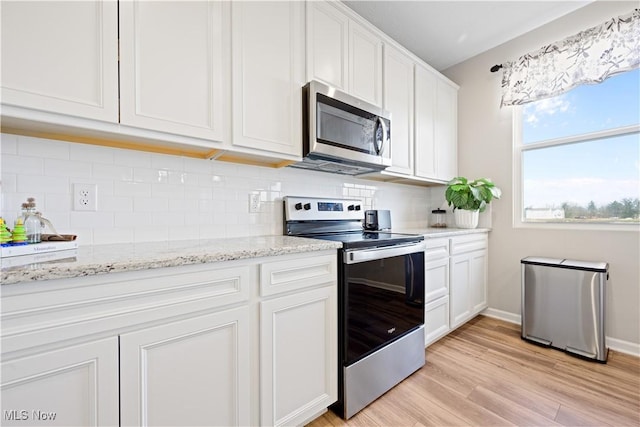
column 383, row 297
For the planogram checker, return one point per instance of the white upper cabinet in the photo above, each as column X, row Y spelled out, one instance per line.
column 446, row 131
column 398, row 99
column 61, row 57
column 174, row 56
column 343, row 53
column 267, row 78
column 435, row 127
column 327, row 44
column 425, row 104
column 365, row 64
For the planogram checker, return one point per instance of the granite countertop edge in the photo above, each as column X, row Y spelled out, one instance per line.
column 115, row 258
column 434, row 233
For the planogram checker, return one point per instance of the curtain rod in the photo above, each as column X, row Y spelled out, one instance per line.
column 496, row 68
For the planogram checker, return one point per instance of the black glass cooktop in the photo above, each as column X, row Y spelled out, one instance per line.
column 363, row 239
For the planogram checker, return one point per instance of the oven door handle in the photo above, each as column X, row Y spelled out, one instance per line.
column 355, row 256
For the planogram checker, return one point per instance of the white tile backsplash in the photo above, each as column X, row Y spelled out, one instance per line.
column 154, row 197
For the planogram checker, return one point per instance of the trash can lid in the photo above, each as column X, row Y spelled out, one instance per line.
column 567, row 263
column 586, row 265
column 553, row 262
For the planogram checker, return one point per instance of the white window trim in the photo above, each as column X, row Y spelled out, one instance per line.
column 518, row 184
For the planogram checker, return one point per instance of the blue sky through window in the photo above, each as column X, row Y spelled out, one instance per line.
column 603, row 170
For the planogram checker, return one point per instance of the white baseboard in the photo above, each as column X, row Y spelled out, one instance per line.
column 615, row 344
column 502, row 315
column 623, row 346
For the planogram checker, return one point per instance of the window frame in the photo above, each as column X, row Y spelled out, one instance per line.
column 518, row 183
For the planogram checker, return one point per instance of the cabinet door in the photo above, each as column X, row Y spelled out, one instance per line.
column 298, row 356
column 478, row 281
column 268, row 61
column 189, row 372
column 398, row 99
column 446, row 131
column 172, row 66
column 365, row 64
column 61, row 57
column 327, row 44
column 436, row 320
column 459, row 299
column 425, row 104
column 436, row 279
column 73, row 386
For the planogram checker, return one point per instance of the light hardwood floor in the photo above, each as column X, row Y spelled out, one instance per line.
column 484, row 374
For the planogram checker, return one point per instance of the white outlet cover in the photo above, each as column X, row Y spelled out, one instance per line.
column 85, row 197
column 254, row 202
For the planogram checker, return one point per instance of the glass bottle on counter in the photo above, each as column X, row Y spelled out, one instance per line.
column 32, row 223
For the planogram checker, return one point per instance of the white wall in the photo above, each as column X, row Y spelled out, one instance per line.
column 485, row 149
column 156, row 197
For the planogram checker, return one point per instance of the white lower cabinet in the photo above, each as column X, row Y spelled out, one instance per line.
column 298, row 359
column 72, row 386
column 436, row 320
column 230, row 343
column 455, row 282
column 436, row 289
column 468, row 278
column 190, row 372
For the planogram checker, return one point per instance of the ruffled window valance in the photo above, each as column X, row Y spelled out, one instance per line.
column 587, row 57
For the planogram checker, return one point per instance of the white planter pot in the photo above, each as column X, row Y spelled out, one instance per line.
column 465, row 218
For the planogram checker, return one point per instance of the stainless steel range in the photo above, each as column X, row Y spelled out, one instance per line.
column 380, row 297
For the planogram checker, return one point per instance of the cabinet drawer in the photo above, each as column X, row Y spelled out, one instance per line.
column 436, row 279
column 41, row 313
column 436, row 320
column 436, row 248
column 468, row 243
column 297, row 273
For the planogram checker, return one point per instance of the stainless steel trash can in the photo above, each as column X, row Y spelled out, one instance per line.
column 563, row 305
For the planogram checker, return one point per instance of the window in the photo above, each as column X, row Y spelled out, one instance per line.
column 577, row 155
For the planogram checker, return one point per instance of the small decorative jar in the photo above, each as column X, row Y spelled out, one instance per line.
column 439, row 218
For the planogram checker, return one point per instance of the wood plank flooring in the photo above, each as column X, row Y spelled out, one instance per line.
column 483, row 374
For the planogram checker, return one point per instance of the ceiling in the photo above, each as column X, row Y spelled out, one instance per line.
column 445, row 33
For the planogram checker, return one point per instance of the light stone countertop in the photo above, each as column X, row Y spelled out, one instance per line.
column 434, row 233
column 102, row 259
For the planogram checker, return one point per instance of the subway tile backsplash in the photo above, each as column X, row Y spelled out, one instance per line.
column 155, row 197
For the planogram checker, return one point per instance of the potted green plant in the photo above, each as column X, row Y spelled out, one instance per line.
column 469, row 198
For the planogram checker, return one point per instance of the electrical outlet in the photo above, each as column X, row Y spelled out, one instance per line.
column 254, row 202
column 85, row 197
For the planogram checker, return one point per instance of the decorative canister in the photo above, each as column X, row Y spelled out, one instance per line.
column 439, row 218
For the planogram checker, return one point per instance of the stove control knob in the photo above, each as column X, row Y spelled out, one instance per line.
column 307, row 206
column 298, row 206
column 351, row 207
column 357, row 207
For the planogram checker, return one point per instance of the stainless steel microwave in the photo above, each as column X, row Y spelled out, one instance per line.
column 343, row 134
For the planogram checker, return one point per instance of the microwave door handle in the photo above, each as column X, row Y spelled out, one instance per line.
column 380, row 148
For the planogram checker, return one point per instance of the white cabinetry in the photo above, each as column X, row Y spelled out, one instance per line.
column 436, row 289
column 298, row 339
column 268, row 72
column 468, row 277
column 398, row 99
column 435, row 127
column 231, row 343
column 189, row 372
column 342, row 53
column 73, row 386
column 173, row 67
column 61, row 57
column 455, row 282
